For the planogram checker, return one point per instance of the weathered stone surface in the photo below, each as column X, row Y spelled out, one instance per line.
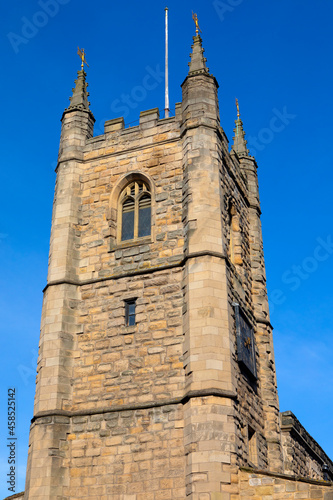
column 162, row 409
column 262, row 485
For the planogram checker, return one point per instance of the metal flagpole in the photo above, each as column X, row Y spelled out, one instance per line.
column 166, row 109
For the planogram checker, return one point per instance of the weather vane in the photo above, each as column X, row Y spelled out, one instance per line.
column 195, row 19
column 82, row 57
column 237, row 105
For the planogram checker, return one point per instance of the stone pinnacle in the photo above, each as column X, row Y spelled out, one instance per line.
column 198, row 61
column 79, row 99
column 239, row 145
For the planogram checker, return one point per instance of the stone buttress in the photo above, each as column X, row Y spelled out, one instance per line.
column 210, row 430
column 46, row 474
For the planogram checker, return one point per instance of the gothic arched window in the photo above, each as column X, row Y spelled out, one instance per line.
column 135, row 210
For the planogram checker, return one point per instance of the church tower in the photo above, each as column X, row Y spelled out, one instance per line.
column 156, row 375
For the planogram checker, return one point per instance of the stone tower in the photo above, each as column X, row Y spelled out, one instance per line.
column 156, row 375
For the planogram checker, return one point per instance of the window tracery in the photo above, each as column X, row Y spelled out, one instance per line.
column 135, row 211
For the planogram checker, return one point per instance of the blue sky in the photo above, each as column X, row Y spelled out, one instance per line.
column 276, row 57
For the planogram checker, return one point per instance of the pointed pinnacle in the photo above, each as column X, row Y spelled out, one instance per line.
column 198, row 61
column 239, row 145
column 80, row 95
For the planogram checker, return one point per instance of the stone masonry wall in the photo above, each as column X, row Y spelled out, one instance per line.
column 127, row 455
column 302, row 454
column 152, row 150
column 117, row 364
column 265, row 486
column 234, row 191
column 251, row 415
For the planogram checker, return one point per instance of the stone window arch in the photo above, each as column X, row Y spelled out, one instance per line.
column 142, row 196
column 134, row 211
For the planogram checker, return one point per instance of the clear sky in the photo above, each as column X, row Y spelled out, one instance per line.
column 276, row 57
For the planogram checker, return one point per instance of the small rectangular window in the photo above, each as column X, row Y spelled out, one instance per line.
column 130, row 312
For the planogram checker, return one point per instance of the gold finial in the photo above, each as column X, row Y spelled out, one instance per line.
column 195, row 19
column 82, row 56
column 238, row 113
